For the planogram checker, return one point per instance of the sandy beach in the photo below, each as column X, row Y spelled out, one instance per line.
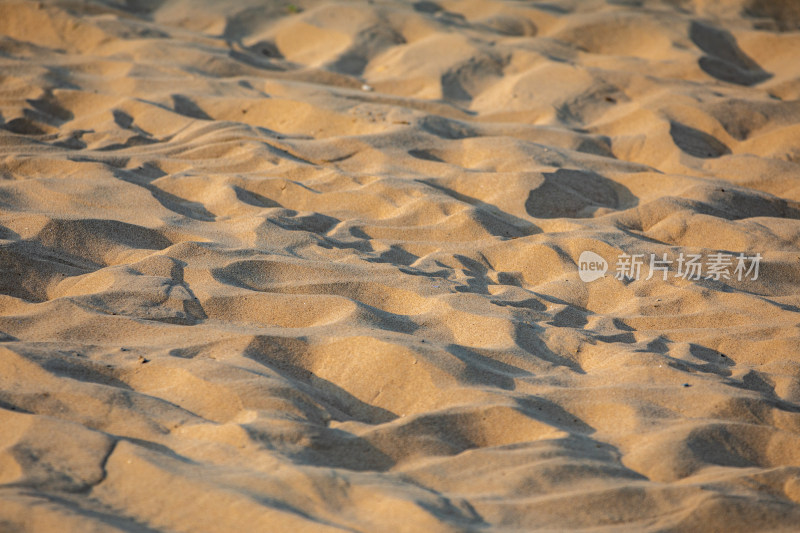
column 396, row 266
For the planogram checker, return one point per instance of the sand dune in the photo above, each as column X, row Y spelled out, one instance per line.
column 317, row 266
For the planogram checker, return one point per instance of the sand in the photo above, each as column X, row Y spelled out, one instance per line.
column 317, row 267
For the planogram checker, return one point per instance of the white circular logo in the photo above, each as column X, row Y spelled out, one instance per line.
column 591, row 266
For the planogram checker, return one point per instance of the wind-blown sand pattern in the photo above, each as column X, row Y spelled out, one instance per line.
column 314, row 267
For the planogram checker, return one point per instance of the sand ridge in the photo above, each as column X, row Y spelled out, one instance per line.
column 314, row 266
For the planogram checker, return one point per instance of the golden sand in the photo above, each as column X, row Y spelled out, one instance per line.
column 316, row 267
